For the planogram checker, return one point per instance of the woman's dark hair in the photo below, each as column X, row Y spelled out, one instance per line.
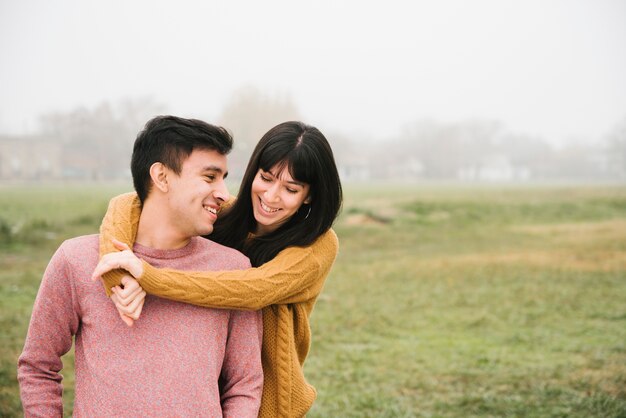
column 305, row 152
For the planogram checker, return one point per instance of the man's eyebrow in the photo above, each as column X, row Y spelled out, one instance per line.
column 216, row 169
column 212, row 168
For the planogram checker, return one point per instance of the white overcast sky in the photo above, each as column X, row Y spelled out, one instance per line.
column 556, row 69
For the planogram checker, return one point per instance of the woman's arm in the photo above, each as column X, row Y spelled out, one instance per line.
column 296, row 274
column 120, row 222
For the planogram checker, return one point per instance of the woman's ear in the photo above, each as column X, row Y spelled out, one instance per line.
column 307, row 200
column 158, row 174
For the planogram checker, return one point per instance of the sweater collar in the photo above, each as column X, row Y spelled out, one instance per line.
column 167, row 254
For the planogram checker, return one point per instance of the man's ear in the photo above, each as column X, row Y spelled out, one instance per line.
column 158, row 174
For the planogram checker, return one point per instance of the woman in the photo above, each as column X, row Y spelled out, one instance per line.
column 289, row 198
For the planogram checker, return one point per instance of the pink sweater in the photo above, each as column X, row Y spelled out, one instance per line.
column 167, row 364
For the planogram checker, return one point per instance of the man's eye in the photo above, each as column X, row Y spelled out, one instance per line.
column 210, row 177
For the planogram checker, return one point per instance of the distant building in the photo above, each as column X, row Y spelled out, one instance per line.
column 29, row 158
column 409, row 168
column 494, row 168
column 354, row 169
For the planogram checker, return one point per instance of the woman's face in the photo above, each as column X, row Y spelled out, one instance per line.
column 276, row 197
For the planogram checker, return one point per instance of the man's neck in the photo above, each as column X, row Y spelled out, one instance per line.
column 155, row 229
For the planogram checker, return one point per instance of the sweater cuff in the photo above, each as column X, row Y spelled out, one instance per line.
column 111, row 279
column 148, row 272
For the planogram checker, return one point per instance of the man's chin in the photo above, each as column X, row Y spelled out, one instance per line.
column 206, row 231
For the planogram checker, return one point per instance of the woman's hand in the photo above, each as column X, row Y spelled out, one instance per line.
column 125, row 259
column 129, row 300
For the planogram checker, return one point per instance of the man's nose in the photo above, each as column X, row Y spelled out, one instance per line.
column 221, row 191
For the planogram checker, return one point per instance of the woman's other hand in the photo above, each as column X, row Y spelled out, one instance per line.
column 128, row 299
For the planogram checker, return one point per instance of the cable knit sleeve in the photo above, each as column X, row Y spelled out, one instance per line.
column 295, row 275
column 120, row 222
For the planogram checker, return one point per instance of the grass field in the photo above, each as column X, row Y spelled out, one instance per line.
column 445, row 301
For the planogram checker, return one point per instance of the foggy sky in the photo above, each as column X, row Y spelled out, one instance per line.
column 556, row 69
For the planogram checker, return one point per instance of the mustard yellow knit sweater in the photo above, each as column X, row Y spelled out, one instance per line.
column 286, row 288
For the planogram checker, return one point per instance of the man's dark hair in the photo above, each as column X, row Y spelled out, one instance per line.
column 170, row 140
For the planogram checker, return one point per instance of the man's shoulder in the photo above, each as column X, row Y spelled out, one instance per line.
column 77, row 255
column 82, row 244
column 228, row 258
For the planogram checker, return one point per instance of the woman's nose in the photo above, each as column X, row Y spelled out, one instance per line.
column 271, row 194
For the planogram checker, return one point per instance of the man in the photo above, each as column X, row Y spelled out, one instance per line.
column 168, row 363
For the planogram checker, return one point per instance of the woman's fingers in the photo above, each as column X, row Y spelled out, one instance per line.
column 136, row 305
column 126, row 298
column 133, row 309
column 106, row 264
column 120, row 245
column 112, row 261
column 122, row 309
column 130, row 288
column 140, row 307
column 128, row 321
column 130, row 298
column 126, row 260
column 129, row 285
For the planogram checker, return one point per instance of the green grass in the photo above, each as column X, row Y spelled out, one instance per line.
column 445, row 301
column 34, row 220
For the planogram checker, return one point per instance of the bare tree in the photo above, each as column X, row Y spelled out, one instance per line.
column 616, row 147
column 97, row 143
column 248, row 115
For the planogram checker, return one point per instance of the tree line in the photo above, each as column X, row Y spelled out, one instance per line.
column 96, row 143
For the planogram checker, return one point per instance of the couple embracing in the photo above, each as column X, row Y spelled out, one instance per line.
column 230, row 283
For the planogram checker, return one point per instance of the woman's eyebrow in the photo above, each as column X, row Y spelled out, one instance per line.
column 297, row 183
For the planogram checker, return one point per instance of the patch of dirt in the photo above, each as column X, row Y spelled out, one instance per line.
column 613, row 227
column 605, row 261
column 358, row 219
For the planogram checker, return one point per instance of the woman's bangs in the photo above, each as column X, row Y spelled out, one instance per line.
column 272, row 156
column 295, row 162
column 300, row 167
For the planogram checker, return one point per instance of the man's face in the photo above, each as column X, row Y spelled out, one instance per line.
column 195, row 195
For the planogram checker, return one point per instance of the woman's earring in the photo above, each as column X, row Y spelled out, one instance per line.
column 308, row 213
